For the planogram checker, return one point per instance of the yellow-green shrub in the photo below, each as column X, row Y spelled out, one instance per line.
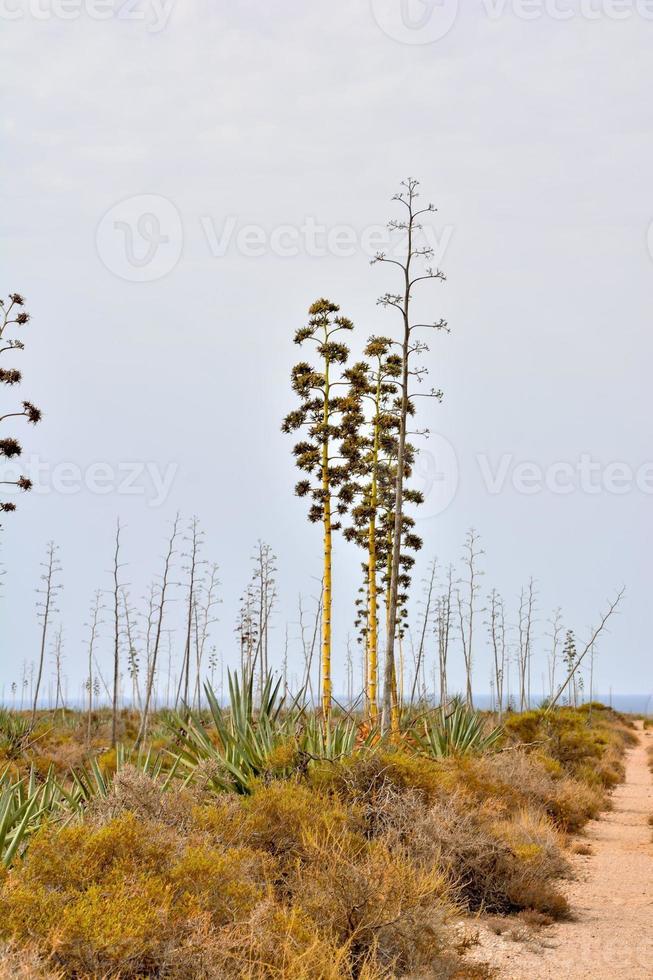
column 278, row 818
column 284, row 943
column 588, row 751
column 120, row 897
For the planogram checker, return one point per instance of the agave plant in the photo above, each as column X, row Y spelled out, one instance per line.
column 247, row 734
column 336, row 740
column 15, row 734
column 456, row 731
column 25, row 804
column 327, row 741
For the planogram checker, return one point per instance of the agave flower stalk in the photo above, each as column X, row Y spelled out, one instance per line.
column 320, row 414
column 370, row 444
column 401, row 301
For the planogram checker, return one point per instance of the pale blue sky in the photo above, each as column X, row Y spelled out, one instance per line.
column 533, row 138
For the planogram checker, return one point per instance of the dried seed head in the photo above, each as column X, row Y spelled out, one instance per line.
column 10, row 448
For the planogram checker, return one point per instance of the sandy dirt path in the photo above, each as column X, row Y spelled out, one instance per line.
column 611, row 898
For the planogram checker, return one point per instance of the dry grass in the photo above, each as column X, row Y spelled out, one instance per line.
column 24, row 963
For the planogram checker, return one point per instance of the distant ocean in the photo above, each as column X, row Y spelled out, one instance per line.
column 636, row 704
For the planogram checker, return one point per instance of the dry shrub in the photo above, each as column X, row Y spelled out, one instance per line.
column 591, row 752
column 280, row 942
column 369, row 899
column 365, row 779
column 278, row 818
column 519, row 778
column 468, row 971
column 485, row 821
column 346, row 872
column 495, row 863
column 608, row 771
column 135, row 891
column 510, row 779
column 535, row 920
column 133, row 791
column 64, row 755
column 377, row 901
column 383, row 794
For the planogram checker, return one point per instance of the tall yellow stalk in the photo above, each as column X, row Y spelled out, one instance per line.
column 372, row 622
column 326, row 587
column 372, row 628
column 394, row 697
column 320, row 415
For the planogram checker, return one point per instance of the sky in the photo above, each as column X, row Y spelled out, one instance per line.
column 180, row 181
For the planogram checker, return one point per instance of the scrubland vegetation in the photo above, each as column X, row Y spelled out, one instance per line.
column 253, row 842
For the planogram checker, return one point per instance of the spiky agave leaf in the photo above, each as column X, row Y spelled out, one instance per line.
column 458, row 731
column 332, row 741
column 25, row 804
column 247, row 734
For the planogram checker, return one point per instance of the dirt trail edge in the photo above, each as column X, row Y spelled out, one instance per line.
column 611, row 935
